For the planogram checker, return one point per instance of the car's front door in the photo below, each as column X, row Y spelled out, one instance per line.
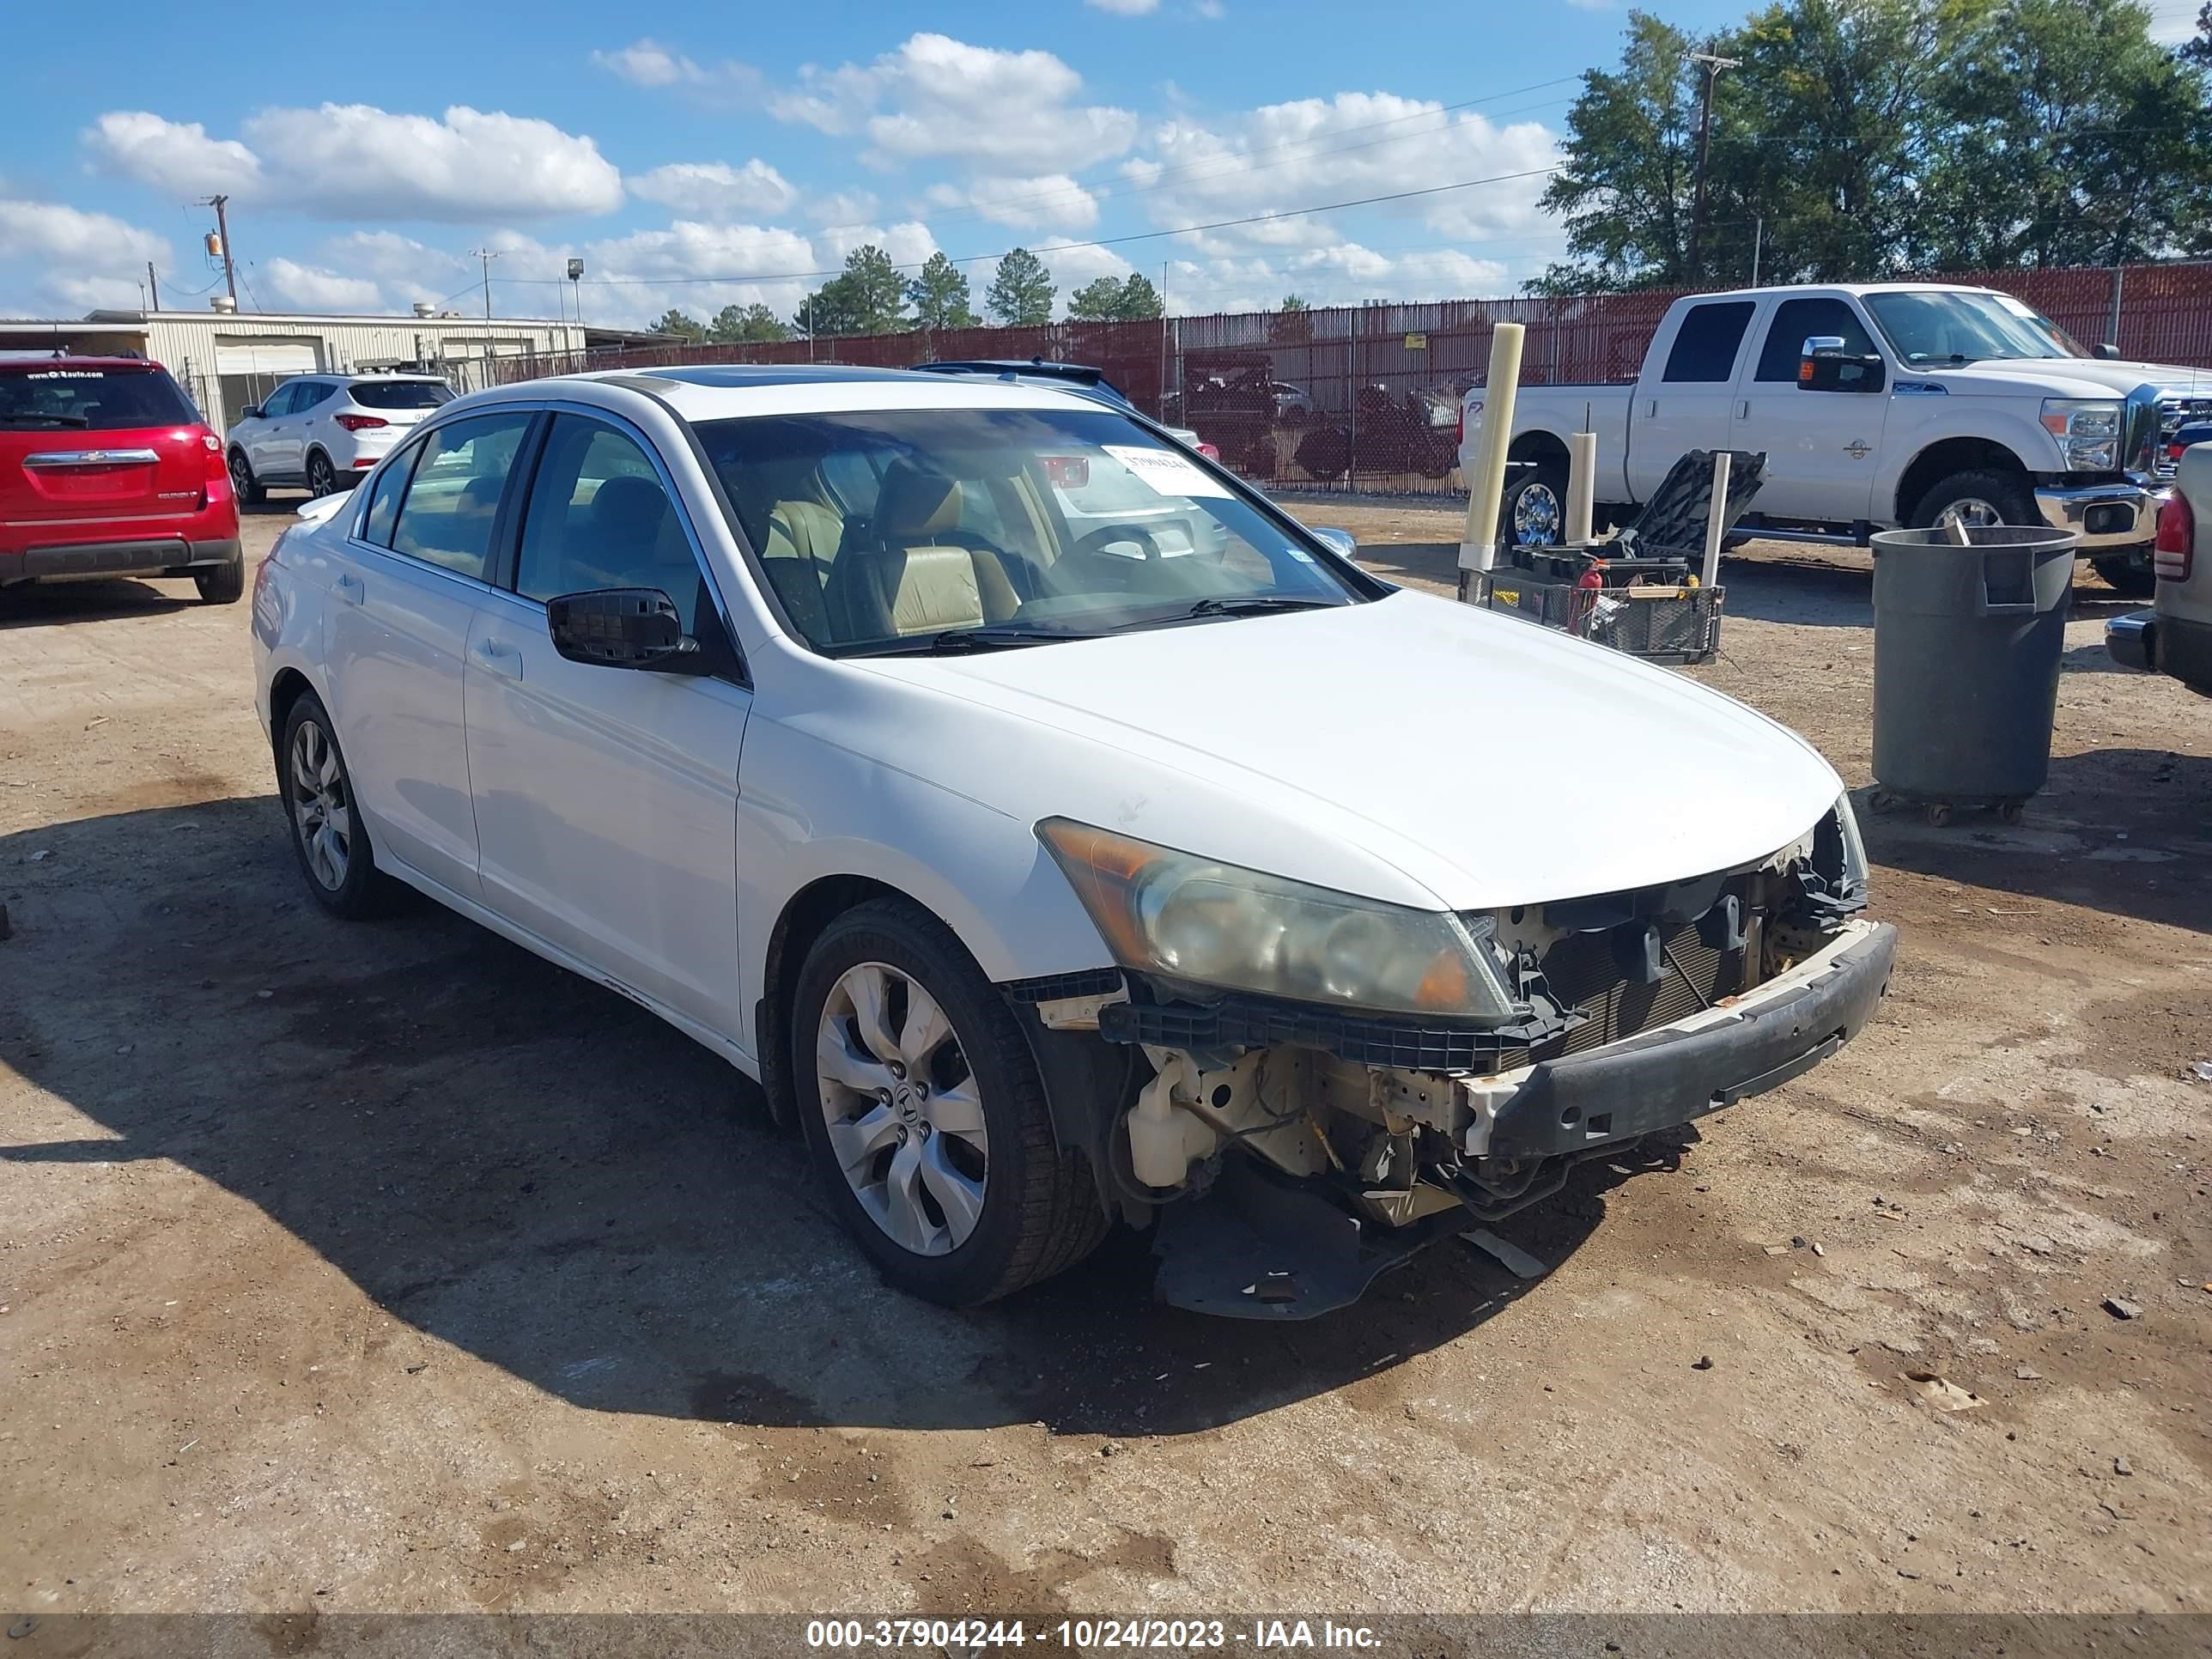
column 606, row 798
column 1823, row 448
column 401, row 605
column 1687, row 406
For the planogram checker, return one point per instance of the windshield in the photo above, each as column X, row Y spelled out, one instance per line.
column 1966, row 328
column 399, row 394
column 92, row 399
column 909, row 529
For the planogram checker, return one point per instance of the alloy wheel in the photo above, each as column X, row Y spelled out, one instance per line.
column 904, row 1116
column 1968, row 512
column 322, row 811
column 1537, row 517
column 321, row 481
column 241, row 475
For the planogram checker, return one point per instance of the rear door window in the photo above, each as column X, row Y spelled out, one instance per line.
column 453, row 501
column 1704, row 353
column 66, row 399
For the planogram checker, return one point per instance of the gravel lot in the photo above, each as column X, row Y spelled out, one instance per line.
column 384, row 1266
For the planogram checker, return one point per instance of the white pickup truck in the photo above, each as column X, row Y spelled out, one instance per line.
column 1877, row 405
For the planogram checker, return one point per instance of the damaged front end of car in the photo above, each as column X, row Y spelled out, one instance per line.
column 1299, row 1089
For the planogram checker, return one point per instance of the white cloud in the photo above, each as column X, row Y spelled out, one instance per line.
column 936, row 97
column 312, row 288
column 844, row 207
column 1125, row 7
column 1283, row 156
column 70, row 258
column 1052, row 200
column 716, row 190
column 647, row 63
column 1591, row 5
column 908, row 243
column 349, row 160
column 174, row 156
column 2173, row 21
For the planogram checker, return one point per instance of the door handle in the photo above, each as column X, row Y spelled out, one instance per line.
column 350, row 588
column 502, row 659
column 1743, row 409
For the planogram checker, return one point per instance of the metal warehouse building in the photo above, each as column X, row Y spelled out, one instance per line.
column 227, row 360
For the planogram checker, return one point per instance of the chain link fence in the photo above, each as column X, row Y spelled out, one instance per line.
column 1367, row 398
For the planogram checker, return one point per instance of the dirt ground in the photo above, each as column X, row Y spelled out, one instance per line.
column 385, row 1268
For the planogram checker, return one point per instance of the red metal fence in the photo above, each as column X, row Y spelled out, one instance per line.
column 1366, row 397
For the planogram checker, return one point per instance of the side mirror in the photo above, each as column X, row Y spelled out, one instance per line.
column 1342, row 540
column 623, row 628
column 251, row 412
column 1823, row 365
column 2107, row 352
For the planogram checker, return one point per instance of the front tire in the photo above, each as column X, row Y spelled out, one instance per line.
column 328, row 836
column 925, row 1115
column 222, row 583
column 2128, row 574
column 1977, row 499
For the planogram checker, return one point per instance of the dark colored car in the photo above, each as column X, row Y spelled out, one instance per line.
column 1081, row 377
column 107, row 470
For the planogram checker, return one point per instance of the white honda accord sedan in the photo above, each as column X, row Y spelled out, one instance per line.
column 1051, row 877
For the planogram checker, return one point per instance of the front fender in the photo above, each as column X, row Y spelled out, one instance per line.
column 1916, row 424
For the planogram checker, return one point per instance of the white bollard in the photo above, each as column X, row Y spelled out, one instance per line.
column 1478, row 547
column 1581, row 485
column 1717, row 518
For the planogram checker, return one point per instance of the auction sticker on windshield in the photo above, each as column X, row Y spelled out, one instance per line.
column 1168, row 473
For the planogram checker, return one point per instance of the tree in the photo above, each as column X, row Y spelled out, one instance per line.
column 1297, row 301
column 2074, row 139
column 677, row 326
column 1112, row 300
column 867, row 297
column 746, row 325
column 1629, row 165
column 939, row 294
column 1140, row 301
column 2197, row 49
column 1021, row 292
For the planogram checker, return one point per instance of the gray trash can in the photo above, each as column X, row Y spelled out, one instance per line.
column 1966, row 646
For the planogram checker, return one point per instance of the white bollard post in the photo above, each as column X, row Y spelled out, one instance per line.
column 1478, row 547
column 1718, row 518
column 1581, row 485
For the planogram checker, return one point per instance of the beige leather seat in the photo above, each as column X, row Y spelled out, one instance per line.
column 909, row 578
column 804, row 535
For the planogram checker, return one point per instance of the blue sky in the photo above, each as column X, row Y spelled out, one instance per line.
column 700, row 156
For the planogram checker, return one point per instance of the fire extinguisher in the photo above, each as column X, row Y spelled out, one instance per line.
column 1587, row 586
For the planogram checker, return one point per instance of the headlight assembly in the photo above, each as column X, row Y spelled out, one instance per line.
column 1207, row 924
column 2087, row 430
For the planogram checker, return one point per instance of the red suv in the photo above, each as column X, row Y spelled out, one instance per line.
column 107, row 470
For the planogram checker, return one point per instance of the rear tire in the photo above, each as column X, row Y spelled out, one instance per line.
column 1977, row 498
column 250, row 491
column 1039, row 1212
column 1533, row 513
column 328, row 837
column 2127, row 574
column 322, row 476
column 222, row 583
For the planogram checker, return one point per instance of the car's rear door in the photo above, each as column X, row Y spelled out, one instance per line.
column 107, row 453
column 287, row 438
column 261, row 438
column 606, row 798
column 1687, row 403
column 405, row 588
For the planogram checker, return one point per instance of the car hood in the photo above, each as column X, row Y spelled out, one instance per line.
column 1413, row 750
column 2059, row 377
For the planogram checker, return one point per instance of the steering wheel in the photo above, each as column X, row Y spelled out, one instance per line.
column 1098, row 541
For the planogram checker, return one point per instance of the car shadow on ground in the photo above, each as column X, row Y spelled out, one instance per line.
column 517, row 1163
column 51, row 604
column 2121, row 831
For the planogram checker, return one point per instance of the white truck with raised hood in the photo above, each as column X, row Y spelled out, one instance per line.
column 1877, row 405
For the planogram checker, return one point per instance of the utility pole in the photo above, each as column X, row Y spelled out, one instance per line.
column 1713, row 66
column 222, row 237
column 152, row 285
column 487, row 255
column 1757, row 242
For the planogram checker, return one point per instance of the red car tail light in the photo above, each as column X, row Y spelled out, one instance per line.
column 1068, row 471
column 362, row 422
column 1209, row 451
column 2174, row 555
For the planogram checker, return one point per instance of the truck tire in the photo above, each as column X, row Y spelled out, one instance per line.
column 1978, row 497
column 2128, row 574
column 1532, row 512
column 956, row 1188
